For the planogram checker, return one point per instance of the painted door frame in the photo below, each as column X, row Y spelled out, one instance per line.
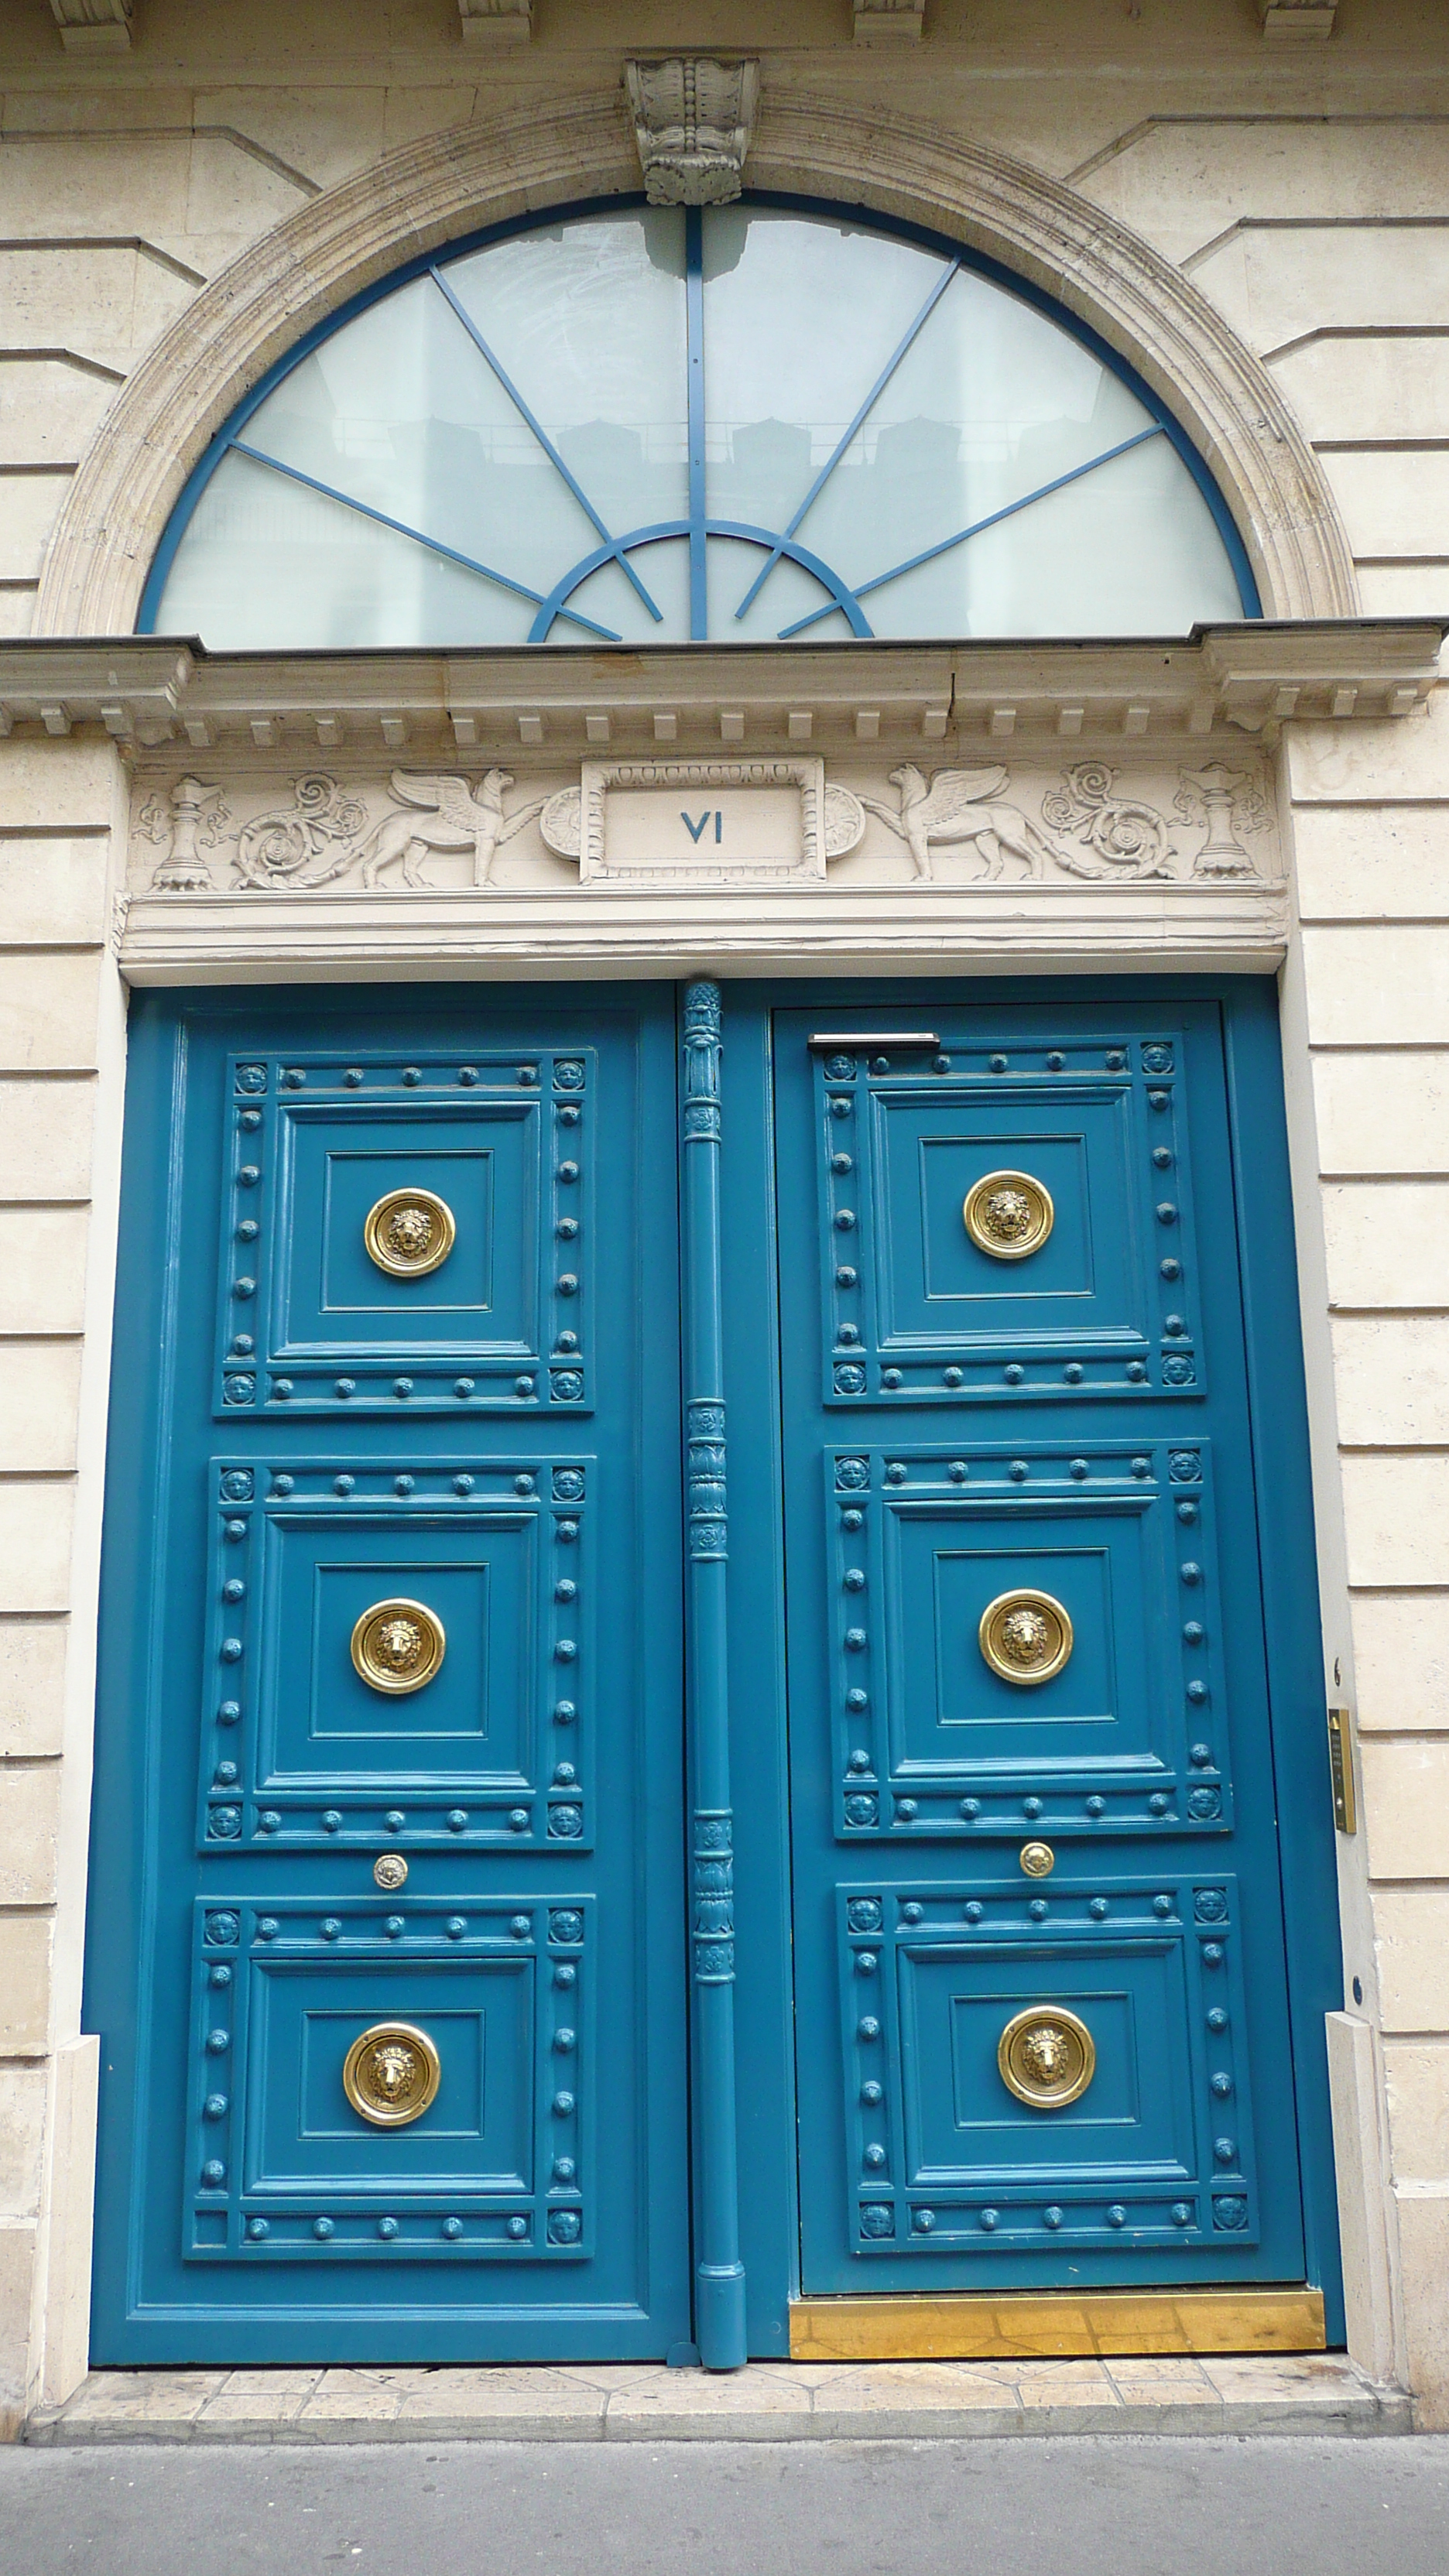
column 1277, row 1402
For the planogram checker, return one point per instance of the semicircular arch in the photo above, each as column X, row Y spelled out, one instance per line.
column 432, row 193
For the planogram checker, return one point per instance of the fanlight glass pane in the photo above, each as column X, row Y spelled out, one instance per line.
column 888, row 442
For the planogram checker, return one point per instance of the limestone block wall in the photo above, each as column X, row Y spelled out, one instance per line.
column 1367, row 1032
column 61, row 1077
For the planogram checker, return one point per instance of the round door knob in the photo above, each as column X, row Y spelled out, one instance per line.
column 1025, row 1636
column 1047, row 2057
column 391, row 2073
column 409, row 1232
column 398, row 1645
column 1008, row 1214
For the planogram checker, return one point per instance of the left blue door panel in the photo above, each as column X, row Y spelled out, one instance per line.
column 316, row 1418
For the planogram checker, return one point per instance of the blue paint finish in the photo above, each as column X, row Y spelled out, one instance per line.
column 1147, row 1764
column 719, row 2274
column 246, row 1779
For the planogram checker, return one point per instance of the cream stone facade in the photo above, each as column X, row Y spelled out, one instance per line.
column 1257, row 216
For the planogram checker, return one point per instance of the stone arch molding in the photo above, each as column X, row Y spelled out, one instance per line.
column 433, row 192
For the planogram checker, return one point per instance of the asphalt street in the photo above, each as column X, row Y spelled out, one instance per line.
column 1077, row 2506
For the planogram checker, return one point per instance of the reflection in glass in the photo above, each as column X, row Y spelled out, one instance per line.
column 500, row 450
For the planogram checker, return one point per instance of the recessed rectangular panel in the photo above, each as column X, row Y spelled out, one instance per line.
column 481, row 1161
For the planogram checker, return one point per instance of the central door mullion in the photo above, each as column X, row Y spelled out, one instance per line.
column 719, row 2273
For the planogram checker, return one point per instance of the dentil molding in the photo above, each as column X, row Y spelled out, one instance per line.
column 448, row 185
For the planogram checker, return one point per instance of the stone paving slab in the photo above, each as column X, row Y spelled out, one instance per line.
column 768, row 2402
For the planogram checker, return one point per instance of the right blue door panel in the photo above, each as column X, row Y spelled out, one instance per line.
column 1042, row 2024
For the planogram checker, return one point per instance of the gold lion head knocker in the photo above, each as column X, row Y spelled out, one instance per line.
column 1045, row 2052
column 394, row 2071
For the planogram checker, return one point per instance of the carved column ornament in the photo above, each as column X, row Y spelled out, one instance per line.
column 93, row 26
column 496, row 22
column 882, row 21
column 693, row 120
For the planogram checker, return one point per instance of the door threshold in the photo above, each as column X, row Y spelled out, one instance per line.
column 982, row 2325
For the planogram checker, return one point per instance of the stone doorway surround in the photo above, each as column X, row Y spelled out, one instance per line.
column 173, row 818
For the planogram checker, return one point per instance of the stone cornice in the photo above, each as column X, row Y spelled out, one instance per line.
column 1227, row 679
column 448, row 185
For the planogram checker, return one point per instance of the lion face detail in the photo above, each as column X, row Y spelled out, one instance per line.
column 410, row 1233
column 1009, row 1215
column 1046, row 2053
column 1025, row 1637
column 398, row 1643
column 394, row 2071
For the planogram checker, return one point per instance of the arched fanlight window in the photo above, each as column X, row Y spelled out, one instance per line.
column 752, row 423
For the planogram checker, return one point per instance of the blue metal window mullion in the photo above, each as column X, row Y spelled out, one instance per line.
column 951, row 270
column 945, row 546
column 400, row 528
column 694, row 361
column 542, row 436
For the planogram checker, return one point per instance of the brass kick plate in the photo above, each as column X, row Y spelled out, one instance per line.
column 1340, row 1763
column 979, row 2325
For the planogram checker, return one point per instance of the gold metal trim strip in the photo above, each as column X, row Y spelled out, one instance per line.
column 979, row 2325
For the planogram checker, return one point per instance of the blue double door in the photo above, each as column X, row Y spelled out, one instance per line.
column 389, row 1912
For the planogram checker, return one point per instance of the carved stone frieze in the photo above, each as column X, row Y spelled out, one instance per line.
column 693, row 120
column 691, row 825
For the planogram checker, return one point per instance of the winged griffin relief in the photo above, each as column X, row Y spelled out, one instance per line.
column 947, row 811
column 457, row 819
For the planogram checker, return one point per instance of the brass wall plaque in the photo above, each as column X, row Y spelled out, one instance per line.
column 1025, row 1636
column 1047, row 2057
column 1009, row 1215
column 410, row 1232
column 391, row 2074
column 398, row 1645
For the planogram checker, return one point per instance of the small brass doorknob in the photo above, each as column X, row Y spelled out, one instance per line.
column 391, row 2074
column 398, row 1645
column 1009, row 1215
column 1025, row 1636
column 409, row 1232
column 1047, row 2057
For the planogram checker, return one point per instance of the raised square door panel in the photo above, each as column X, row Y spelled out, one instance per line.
column 492, row 2166
column 1024, row 1640
column 407, row 1232
column 480, row 1575
column 1132, row 2122
column 1009, row 1217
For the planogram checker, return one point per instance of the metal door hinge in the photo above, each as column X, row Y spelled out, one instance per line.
column 1340, row 1763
